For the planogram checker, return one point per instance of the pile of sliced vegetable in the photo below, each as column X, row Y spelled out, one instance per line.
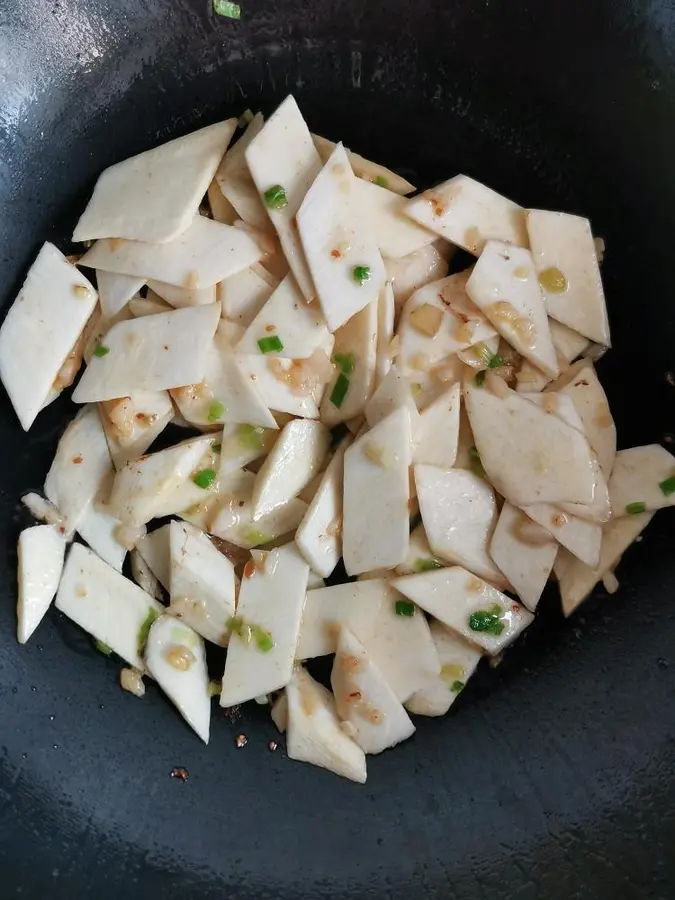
column 343, row 397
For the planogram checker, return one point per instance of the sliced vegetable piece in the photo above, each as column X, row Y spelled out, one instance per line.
column 568, row 345
column 132, row 423
column 242, row 444
column 152, row 305
column 284, row 385
column 144, row 576
column 364, row 168
column 115, row 291
column 154, row 547
column 642, row 475
column 420, row 555
column 386, row 316
column 243, row 295
column 395, row 234
column 179, row 297
column 234, row 521
column 271, row 599
column 393, row 392
column 355, row 604
column 469, row 214
column 100, row 531
column 438, row 430
column 221, row 208
column 580, row 537
column 41, row 553
column 409, row 273
column 458, row 659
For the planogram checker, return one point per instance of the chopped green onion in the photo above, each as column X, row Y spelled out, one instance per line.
column 100, row 350
column 257, row 537
column 144, row 630
column 634, row 509
column 361, row 274
column 339, row 392
column 275, row 197
column 473, row 453
column 480, row 378
column 216, row 411
column 262, row 638
column 205, row 478
column 668, row 486
column 216, row 448
column 250, row 436
column 487, row 620
column 270, row 344
column 405, row 608
column 457, row 686
column 235, row 624
column 381, row 181
column 490, row 359
column 103, row 648
column 227, row 9
column 427, row 564
column 346, row 361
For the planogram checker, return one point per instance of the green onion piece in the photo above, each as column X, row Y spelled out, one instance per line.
column 262, row 638
column 487, row 620
column 205, row 478
column 473, row 453
column 275, row 197
column 457, row 686
column 361, row 274
column 480, row 378
column 381, row 181
column 668, row 486
column 405, row 608
column 103, row 648
column 490, row 359
column 346, row 361
column 250, row 436
column 339, row 392
column 227, row 9
column 216, row 448
column 144, row 630
column 216, row 411
column 427, row 564
column 235, row 624
column 495, row 361
column 270, row 344
column 256, row 537
column 634, row 509
column 100, row 350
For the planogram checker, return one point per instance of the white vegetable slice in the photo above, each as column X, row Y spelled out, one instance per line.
column 504, row 286
column 41, row 551
column 393, row 392
column 115, row 291
column 234, row 521
column 202, row 582
column 524, row 552
column 376, row 493
column 132, row 423
column 365, row 700
column 579, row 536
column 458, row 660
column 200, row 257
column 99, row 530
column 150, row 306
column 40, row 330
column 319, row 535
column 176, row 659
column 235, row 182
column 459, row 512
column 420, row 555
column 273, row 382
column 356, row 350
column 468, row 605
column 155, row 195
column 438, row 430
column 221, row 208
column 636, row 479
column 79, row 469
column 395, row 234
column 111, row 608
column 154, row 547
column 150, row 354
column 242, row 444
column 576, row 580
column 567, row 265
column 364, row 168
column 263, row 641
column 299, row 328
column 479, row 356
column 243, row 295
column 568, row 345
column 528, row 455
column 409, row 273
column 295, row 459
column 386, row 319
column 283, row 154
column 314, row 732
column 469, row 214
column 43, row 510
column 144, row 576
column 178, row 297
column 340, row 248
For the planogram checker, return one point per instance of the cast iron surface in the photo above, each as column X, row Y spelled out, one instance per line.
column 554, row 777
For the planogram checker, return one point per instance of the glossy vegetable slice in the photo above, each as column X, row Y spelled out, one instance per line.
column 458, row 659
column 642, row 475
column 41, row 551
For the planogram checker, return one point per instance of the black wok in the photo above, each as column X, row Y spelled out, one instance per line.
column 554, row 776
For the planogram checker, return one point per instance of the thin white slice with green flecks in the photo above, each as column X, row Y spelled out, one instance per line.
column 364, row 168
column 376, row 492
column 409, row 273
column 179, row 297
column 274, row 381
column 458, row 659
column 295, row 459
column 202, row 582
column 114, row 610
column 393, row 392
column 100, row 531
column 469, row 214
column 282, row 155
column 314, row 733
column 420, row 555
column 365, row 700
column 40, row 330
column 579, row 536
column 285, row 326
column 438, row 430
column 243, row 295
column 524, row 552
column 235, row 182
column 204, row 254
column 155, row 549
column 319, row 535
column 396, row 234
column 386, row 321
column 234, row 522
column 340, row 248
column 528, row 455
column 568, row 345
column 264, row 633
column 153, row 353
column 355, row 358
column 567, row 266
column 459, row 512
column 576, row 580
column 41, row 551
column 643, row 480
column 468, row 605
column 505, row 287
column 132, row 423
column 176, row 659
column 115, row 291
column 80, row 467
column 242, row 444
column 154, row 196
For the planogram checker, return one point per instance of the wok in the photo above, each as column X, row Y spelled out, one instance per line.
column 553, row 778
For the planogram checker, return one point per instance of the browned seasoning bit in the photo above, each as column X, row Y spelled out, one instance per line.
column 77, row 459
column 269, row 328
column 272, row 746
column 241, row 740
column 180, row 773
